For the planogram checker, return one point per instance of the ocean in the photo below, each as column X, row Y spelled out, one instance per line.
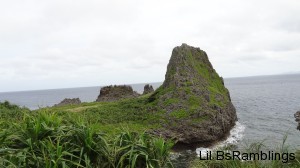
column 265, row 106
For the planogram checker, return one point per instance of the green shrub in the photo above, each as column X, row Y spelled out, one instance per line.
column 10, row 111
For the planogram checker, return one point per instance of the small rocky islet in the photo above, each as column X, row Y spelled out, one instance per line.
column 68, row 101
column 193, row 104
column 193, row 95
column 297, row 117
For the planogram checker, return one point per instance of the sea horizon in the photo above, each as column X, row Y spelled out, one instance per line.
column 287, row 74
column 265, row 105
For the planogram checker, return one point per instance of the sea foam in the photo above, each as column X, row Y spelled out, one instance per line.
column 236, row 135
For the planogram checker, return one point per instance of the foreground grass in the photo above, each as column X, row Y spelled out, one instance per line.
column 96, row 135
column 46, row 139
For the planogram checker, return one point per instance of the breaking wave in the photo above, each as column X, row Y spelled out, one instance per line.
column 236, row 135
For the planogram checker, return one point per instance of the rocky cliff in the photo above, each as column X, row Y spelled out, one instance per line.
column 193, row 98
column 114, row 93
column 69, row 102
column 148, row 89
column 297, row 116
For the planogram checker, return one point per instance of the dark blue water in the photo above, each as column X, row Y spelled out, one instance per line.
column 265, row 105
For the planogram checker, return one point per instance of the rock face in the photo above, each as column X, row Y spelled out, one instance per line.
column 114, row 93
column 193, row 97
column 297, row 116
column 69, row 102
column 148, row 89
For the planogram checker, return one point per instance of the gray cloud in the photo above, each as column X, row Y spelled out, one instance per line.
column 52, row 44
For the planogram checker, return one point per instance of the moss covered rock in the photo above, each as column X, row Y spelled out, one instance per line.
column 194, row 99
column 116, row 92
column 68, row 101
column 148, row 89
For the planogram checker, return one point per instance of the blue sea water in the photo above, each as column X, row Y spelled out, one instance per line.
column 43, row 98
column 265, row 106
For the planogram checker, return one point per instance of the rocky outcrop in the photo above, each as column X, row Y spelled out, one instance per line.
column 68, row 102
column 114, row 93
column 148, row 89
column 195, row 102
column 297, row 116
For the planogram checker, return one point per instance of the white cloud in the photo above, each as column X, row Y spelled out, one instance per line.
column 52, row 44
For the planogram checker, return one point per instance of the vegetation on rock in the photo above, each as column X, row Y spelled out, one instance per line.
column 148, row 89
column 114, row 93
column 69, row 102
column 194, row 97
column 50, row 138
column 191, row 106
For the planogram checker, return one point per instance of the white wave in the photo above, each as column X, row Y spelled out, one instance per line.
column 236, row 135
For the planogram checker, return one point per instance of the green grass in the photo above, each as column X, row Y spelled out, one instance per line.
column 10, row 111
column 135, row 114
column 46, row 138
column 171, row 101
column 200, row 119
column 179, row 114
column 194, row 102
column 215, row 84
column 84, row 136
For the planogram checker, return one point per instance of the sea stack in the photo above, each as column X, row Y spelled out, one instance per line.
column 116, row 92
column 194, row 99
column 68, row 101
column 297, row 116
column 148, row 89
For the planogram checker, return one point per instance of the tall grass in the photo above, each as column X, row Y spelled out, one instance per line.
column 11, row 112
column 47, row 138
column 44, row 139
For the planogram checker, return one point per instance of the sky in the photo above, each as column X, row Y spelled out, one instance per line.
column 79, row 43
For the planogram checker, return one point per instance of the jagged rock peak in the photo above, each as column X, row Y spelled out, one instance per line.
column 194, row 97
column 68, row 101
column 148, row 89
column 185, row 64
column 116, row 92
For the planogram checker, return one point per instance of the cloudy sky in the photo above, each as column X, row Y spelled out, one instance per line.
column 75, row 43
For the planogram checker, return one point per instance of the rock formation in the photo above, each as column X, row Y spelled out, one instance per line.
column 69, row 102
column 194, row 99
column 297, row 116
column 114, row 93
column 148, row 89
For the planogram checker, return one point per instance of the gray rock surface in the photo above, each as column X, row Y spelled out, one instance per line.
column 114, row 93
column 148, row 89
column 68, row 101
column 194, row 99
column 297, row 116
